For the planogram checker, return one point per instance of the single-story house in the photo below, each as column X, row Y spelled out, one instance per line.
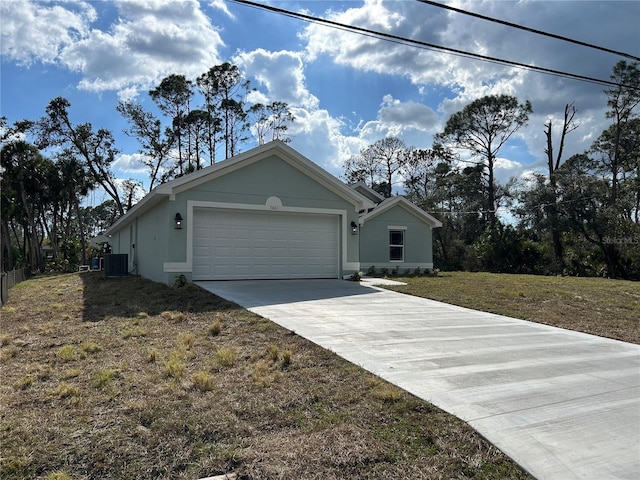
column 269, row 213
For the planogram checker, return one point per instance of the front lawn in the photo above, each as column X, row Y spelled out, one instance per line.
column 128, row 379
column 599, row 306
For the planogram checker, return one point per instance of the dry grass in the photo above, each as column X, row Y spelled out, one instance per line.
column 249, row 397
column 599, row 306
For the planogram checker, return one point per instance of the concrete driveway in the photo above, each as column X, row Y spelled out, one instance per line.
column 564, row 405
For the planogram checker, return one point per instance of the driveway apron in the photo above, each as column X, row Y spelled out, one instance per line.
column 564, row 405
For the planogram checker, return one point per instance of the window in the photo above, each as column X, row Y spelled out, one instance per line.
column 396, row 245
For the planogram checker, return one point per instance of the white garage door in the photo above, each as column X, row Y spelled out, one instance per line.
column 245, row 244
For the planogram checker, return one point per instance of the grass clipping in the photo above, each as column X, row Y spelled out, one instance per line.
column 126, row 378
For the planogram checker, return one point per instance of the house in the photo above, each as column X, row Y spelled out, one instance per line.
column 269, row 213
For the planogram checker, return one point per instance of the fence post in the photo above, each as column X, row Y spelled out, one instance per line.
column 10, row 279
column 4, row 288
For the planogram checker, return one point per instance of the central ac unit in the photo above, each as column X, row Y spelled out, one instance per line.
column 116, row 265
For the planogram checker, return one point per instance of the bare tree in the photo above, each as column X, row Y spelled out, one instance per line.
column 554, row 162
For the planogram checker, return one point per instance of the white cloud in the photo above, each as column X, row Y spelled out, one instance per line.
column 280, row 73
column 130, row 163
column 38, row 32
column 222, row 6
column 318, row 136
column 469, row 79
column 410, row 121
column 149, row 40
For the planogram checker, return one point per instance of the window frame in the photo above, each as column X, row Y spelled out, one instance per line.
column 402, row 246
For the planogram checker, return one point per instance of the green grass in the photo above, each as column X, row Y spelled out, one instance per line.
column 599, row 306
column 182, row 402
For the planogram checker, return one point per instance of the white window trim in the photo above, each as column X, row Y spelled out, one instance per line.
column 402, row 229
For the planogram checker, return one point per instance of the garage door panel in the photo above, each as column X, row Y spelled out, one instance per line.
column 230, row 244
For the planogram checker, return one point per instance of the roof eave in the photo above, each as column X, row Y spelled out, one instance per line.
column 399, row 200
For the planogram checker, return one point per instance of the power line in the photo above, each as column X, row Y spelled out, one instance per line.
column 427, row 46
column 528, row 29
column 540, row 206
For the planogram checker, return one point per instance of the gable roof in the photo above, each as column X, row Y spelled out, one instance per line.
column 402, row 202
column 276, row 147
column 367, row 191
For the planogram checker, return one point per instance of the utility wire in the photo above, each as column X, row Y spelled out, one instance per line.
column 427, row 46
column 539, row 206
column 528, row 29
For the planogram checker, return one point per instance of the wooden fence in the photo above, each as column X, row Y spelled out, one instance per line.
column 10, row 279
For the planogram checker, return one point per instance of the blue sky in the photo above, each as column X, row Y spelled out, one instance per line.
column 346, row 90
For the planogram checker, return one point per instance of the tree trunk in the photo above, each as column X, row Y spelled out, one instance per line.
column 5, row 242
column 491, row 193
column 83, row 236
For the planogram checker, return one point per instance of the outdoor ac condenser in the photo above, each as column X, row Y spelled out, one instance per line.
column 116, row 265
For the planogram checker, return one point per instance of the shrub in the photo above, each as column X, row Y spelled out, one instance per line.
column 356, row 276
column 371, row 272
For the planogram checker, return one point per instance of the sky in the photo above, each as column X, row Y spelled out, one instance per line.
column 346, row 90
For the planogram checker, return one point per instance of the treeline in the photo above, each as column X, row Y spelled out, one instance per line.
column 578, row 218
column 210, row 114
column 50, row 165
column 581, row 217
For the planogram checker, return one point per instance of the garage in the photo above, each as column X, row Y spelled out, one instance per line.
column 239, row 244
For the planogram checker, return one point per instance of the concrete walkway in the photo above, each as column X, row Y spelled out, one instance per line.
column 564, row 405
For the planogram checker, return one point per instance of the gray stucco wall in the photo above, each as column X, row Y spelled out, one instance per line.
column 155, row 232
column 374, row 241
column 254, row 184
column 157, row 241
column 145, row 240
